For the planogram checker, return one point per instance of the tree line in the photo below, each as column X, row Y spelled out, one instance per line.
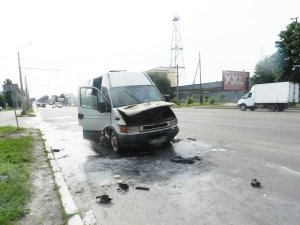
column 284, row 64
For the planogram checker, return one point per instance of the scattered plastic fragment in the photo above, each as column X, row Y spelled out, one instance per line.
column 191, row 139
column 55, row 150
column 196, row 158
column 180, row 159
column 104, row 199
column 123, row 187
column 117, row 176
column 62, row 157
column 255, row 183
column 142, row 188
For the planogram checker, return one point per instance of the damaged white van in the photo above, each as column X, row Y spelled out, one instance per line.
column 127, row 109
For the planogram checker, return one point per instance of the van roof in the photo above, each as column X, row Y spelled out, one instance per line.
column 118, row 79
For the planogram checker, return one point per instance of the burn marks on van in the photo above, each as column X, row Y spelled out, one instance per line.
column 152, row 117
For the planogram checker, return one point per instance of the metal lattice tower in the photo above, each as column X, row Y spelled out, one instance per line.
column 176, row 60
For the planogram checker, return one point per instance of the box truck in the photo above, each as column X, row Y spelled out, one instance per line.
column 126, row 109
column 272, row 96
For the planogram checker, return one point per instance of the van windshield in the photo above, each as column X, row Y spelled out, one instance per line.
column 130, row 95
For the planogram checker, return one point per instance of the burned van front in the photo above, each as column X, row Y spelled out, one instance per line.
column 150, row 123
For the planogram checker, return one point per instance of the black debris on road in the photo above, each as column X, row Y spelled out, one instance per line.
column 104, row 199
column 123, row 187
column 55, row 150
column 142, row 188
column 255, row 183
column 180, row 159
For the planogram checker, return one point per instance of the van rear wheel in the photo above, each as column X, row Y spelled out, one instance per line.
column 114, row 142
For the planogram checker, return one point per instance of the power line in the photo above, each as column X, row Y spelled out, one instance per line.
column 32, row 68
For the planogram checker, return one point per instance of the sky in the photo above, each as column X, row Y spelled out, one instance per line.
column 62, row 43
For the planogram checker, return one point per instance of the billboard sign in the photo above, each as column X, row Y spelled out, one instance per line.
column 235, row 80
column 10, row 87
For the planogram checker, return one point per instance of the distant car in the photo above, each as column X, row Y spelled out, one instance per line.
column 43, row 105
column 59, row 105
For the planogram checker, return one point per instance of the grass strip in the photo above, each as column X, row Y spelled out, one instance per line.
column 14, row 174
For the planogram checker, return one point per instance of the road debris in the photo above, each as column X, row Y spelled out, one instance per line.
column 180, row 159
column 196, row 158
column 192, row 139
column 255, row 183
column 117, row 176
column 55, row 150
column 123, row 187
column 104, row 199
column 62, row 157
column 142, row 188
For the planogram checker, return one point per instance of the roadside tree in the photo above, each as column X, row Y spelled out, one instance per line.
column 2, row 100
column 289, row 51
column 161, row 81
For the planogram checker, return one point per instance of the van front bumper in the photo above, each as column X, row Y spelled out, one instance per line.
column 149, row 138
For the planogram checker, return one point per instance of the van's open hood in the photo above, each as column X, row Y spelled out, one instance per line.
column 138, row 108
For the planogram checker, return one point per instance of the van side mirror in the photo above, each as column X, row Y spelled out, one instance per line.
column 167, row 98
column 102, row 106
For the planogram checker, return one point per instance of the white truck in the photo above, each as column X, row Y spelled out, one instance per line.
column 272, row 96
column 126, row 109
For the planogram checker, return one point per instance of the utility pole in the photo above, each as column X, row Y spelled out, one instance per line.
column 176, row 60
column 22, row 90
column 26, row 93
column 201, row 97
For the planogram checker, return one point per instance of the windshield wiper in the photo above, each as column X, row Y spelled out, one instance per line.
column 132, row 96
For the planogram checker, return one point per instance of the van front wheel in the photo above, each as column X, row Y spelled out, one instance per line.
column 114, row 142
column 243, row 107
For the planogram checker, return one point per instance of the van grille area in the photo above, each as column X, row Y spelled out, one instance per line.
column 155, row 126
column 156, row 118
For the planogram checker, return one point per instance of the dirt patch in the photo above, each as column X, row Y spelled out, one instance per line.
column 44, row 205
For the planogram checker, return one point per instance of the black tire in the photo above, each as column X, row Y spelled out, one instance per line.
column 271, row 107
column 243, row 107
column 115, row 145
column 252, row 108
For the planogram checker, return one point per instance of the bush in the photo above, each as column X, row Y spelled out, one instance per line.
column 221, row 96
column 206, row 98
column 212, row 100
column 174, row 100
column 190, row 100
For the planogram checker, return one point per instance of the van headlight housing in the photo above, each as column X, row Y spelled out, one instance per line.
column 173, row 122
column 133, row 129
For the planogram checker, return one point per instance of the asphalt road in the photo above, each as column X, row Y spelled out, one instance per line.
column 234, row 146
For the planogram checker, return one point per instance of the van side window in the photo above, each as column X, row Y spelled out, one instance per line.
column 250, row 94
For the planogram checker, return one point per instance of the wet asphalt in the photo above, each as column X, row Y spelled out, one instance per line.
column 235, row 147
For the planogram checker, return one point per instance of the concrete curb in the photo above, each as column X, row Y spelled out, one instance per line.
column 66, row 198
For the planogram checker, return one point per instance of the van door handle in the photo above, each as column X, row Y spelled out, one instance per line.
column 80, row 116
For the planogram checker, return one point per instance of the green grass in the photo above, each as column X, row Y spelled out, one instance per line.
column 14, row 173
